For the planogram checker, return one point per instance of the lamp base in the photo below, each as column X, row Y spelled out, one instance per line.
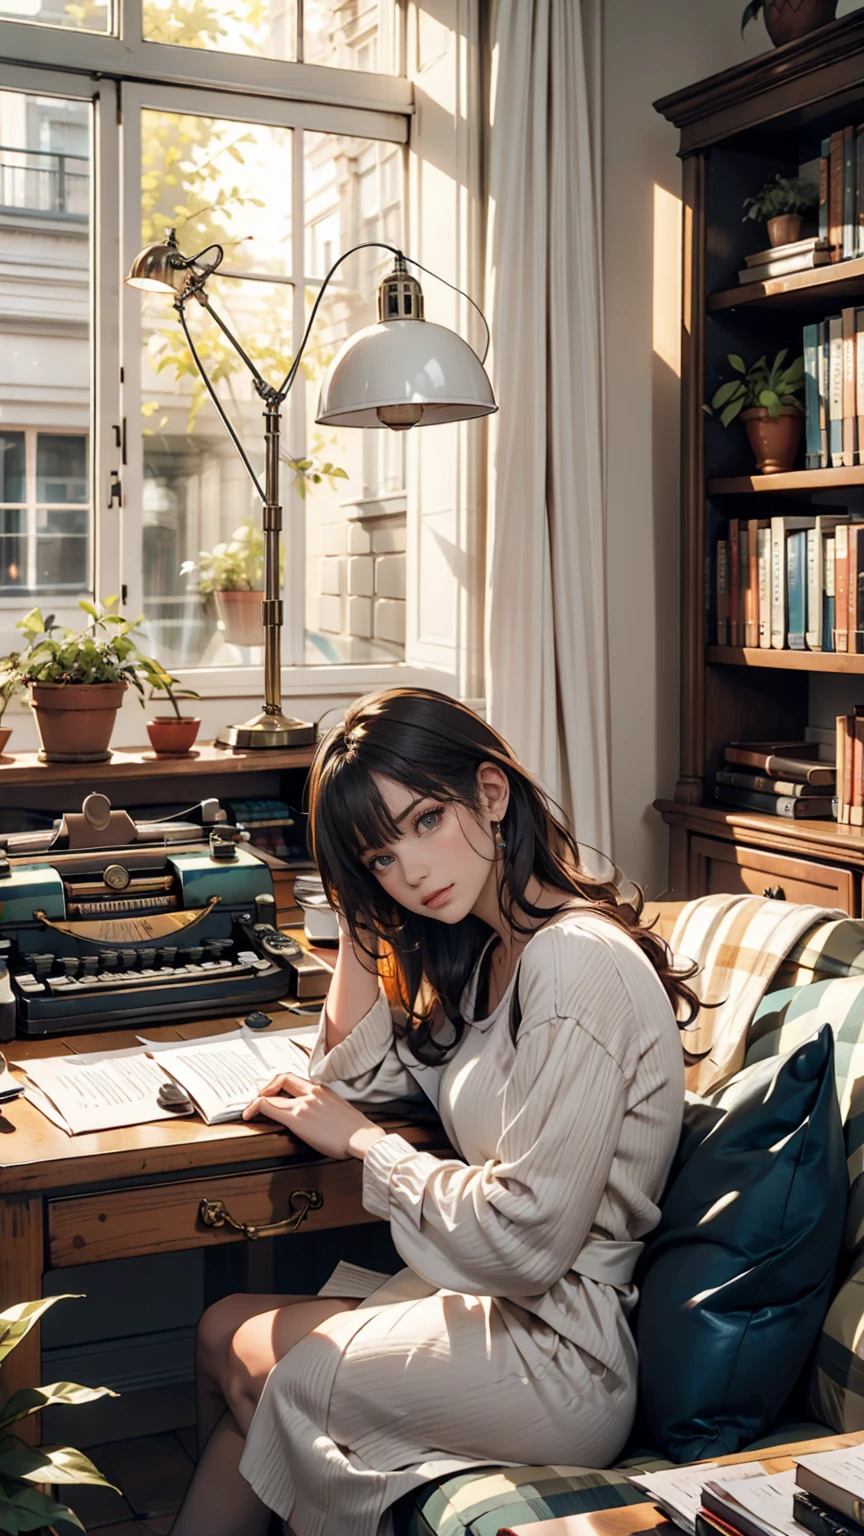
column 267, row 732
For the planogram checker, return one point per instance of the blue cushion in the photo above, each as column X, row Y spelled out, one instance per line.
column 736, row 1279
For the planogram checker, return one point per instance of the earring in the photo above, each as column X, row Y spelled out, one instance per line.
column 499, row 836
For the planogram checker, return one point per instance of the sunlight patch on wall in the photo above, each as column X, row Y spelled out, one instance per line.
column 667, row 278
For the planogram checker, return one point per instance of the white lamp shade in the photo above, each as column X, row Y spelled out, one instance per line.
column 404, row 362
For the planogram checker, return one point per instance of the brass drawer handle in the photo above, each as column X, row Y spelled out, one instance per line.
column 774, row 893
column 214, row 1213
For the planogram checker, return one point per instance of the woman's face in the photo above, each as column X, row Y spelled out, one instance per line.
column 443, row 860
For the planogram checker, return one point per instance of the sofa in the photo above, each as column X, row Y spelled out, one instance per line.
column 821, row 982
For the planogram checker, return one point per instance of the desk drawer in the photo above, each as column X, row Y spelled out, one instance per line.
column 159, row 1218
column 717, row 867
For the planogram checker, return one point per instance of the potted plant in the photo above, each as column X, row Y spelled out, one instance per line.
column 76, row 681
column 782, row 203
column 26, row 1470
column 232, row 574
column 787, row 20
column 767, row 400
column 170, row 735
column 10, row 684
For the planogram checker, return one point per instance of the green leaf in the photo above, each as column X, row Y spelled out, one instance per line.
column 726, row 392
column 51, row 1464
column 32, row 1510
column 737, row 362
column 732, row 411
column 770, row 400
column 796, row 369
column 751, row 11
column 33, row 1399
column 16, row 1322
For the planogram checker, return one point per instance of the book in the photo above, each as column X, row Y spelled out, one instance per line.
column 766, row 786
column 763, row 544
column 836, row 1478
column 850, row 393
column 722, row 592
column 220, row 1074
column 822, row 375
column 844, row 765
column 780, row 528
column 856, row 786
column 755, row 525
column 811, row 396
column 821, row 1520
column 813, row 244
column 850, row 181
column 841, row 587
column 775, row 805
column 796, row 589
column 859, row 187
column 784, row 266
column 835, row 196
column 822, row 529
column 796, row 760
column 828, row 548
column 824, row 175
column 746, row 592
column 824, row 161
column 835, row 391
column 855, row 587
column 734, row 580
column 859, row 375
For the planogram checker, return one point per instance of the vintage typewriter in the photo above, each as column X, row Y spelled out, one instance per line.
column 106, row 922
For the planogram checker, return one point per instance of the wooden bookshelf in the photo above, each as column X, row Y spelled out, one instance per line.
column 736, row 129
column 823, row 290
column 789, row 661
column 24, row 768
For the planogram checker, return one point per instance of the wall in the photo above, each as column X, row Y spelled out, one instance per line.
column 649, row 51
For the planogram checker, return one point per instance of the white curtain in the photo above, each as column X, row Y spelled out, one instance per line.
column 546, row 652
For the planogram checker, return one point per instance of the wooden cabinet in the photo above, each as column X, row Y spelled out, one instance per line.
column 767, row 115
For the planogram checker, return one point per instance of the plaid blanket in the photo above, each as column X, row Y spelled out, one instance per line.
column 739, row 943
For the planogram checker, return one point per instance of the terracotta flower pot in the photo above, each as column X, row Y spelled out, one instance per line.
column 787, row 20
column 785, row 229
column 170, row 737
column 75, row 720
column 774, row 440
column 5, row 733
column 240, row 617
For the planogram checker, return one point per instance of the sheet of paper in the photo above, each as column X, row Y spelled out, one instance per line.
column 678, row 1491
column 223, row 1073
column 769, row 1498
column 844, row 1468
column 9, row 1085
column 99, row 1091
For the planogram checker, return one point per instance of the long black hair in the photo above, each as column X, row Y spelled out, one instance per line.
column 435, row 746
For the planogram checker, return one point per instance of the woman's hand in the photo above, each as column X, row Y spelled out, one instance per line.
column 317, row 1115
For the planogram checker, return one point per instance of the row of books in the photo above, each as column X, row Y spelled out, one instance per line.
column 788, row 779
column 783, row 260
column 273, row 826
column 790, row 583
column 834, row 391
column 819, row 1492
column 850, row 768
column 841, row 192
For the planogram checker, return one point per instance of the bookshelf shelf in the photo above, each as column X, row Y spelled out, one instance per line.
column 822, row 289
column 787, row 661
column 794, row 480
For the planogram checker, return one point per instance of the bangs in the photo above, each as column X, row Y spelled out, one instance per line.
column 354, row 811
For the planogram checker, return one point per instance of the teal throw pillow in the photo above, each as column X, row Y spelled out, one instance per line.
column 736, row 1279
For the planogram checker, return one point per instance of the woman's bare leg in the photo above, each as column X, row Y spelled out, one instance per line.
column 212, row 1343
column 235, row 1363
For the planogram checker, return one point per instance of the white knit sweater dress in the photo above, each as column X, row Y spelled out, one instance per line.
column 506, row 1338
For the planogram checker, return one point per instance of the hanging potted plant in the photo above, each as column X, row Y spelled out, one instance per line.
column 10, row 684
column 787, row 20
column 76, row 681
column 26, row 1471
column 767, row 400
column 170, row 735
column 231, row 575
column 782, row 204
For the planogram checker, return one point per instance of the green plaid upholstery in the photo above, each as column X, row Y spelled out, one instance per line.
column 480, row 1503
column 830, row 949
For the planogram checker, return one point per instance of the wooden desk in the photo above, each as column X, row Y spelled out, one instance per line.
column 68, row 1200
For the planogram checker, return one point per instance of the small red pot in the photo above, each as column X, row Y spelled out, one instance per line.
column 787, row 20
column 170, row 737
column 774, row 439
column 240, row 616
column 785, row 229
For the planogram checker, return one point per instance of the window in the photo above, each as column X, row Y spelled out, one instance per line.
column 280, row 132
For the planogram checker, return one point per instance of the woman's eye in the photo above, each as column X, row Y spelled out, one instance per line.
column 381, row 862
column 429, row 820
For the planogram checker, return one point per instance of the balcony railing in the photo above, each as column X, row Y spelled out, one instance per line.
column 41, row 181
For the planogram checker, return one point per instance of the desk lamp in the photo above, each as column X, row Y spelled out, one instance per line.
column 402, row 372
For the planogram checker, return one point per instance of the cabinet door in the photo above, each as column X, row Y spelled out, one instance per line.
column 717, row 866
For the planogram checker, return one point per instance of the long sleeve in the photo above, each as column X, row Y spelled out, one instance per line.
column 513, row 1225
column 365, row 1065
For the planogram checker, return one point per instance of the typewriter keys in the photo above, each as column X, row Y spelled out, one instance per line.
column 116, row 877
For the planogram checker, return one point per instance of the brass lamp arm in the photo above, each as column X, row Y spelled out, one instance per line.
column 212, row 392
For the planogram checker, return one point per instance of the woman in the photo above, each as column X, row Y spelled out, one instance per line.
column 479, row 963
